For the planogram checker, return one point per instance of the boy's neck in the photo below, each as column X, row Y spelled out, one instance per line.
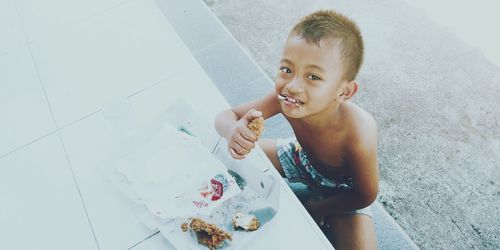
column 328, row 119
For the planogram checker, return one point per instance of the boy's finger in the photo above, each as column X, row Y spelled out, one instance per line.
column 241, row 150
column 237, row 148
column 235, row 155
column 248, row 135
column 244, row 143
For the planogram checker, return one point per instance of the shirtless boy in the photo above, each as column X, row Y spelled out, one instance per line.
column 331, row 163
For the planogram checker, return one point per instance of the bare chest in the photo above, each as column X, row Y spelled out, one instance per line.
column 326, row 153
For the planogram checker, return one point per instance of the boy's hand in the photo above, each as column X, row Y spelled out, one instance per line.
column 242, row 139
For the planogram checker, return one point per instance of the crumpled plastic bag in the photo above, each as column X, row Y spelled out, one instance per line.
column 174, row 175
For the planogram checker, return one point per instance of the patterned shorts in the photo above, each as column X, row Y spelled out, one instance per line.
column 305, row 181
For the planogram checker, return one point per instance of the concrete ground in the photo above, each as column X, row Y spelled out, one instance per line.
column 434, row 99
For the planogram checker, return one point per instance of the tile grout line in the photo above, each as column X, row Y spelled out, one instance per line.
column 49, row 133
column 29, row 143
column 140, row 242
column 78, row 188
column 154, row 84
column 57, row 130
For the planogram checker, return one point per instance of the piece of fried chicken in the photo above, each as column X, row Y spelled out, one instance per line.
column 208, row 234
column 256, row 126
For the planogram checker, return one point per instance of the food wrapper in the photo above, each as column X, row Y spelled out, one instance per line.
column 174, row 175
column 177, row 170
column 259, row 196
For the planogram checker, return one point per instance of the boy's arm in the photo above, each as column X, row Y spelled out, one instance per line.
column 232, row 123
column 269, row 106
column 362, row 158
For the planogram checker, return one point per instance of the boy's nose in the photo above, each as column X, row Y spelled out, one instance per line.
column 294, row 87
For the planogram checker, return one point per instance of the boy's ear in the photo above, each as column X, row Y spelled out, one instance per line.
column 348, row 90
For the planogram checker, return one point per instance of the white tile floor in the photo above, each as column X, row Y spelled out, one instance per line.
column 41, row 207
column 56, row 148
column 58, row 142
column 43, row 18
column 116, row 53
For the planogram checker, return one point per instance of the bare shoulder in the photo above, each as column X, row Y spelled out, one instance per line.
column 362, row 126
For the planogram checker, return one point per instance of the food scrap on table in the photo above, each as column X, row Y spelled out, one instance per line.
column 247, row 222
column 184, row 227
column 208, row 234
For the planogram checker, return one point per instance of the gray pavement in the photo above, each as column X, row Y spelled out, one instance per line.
column 433, row 97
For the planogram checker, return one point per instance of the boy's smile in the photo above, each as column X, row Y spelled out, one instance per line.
column 310, row 78
column 290, row 101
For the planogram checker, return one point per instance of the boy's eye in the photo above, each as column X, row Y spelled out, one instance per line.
column 313, row 77
column 285, row 70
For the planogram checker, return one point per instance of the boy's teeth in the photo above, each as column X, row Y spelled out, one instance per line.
column 295, row 101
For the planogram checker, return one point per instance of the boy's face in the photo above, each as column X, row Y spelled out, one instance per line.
column 310, row 77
